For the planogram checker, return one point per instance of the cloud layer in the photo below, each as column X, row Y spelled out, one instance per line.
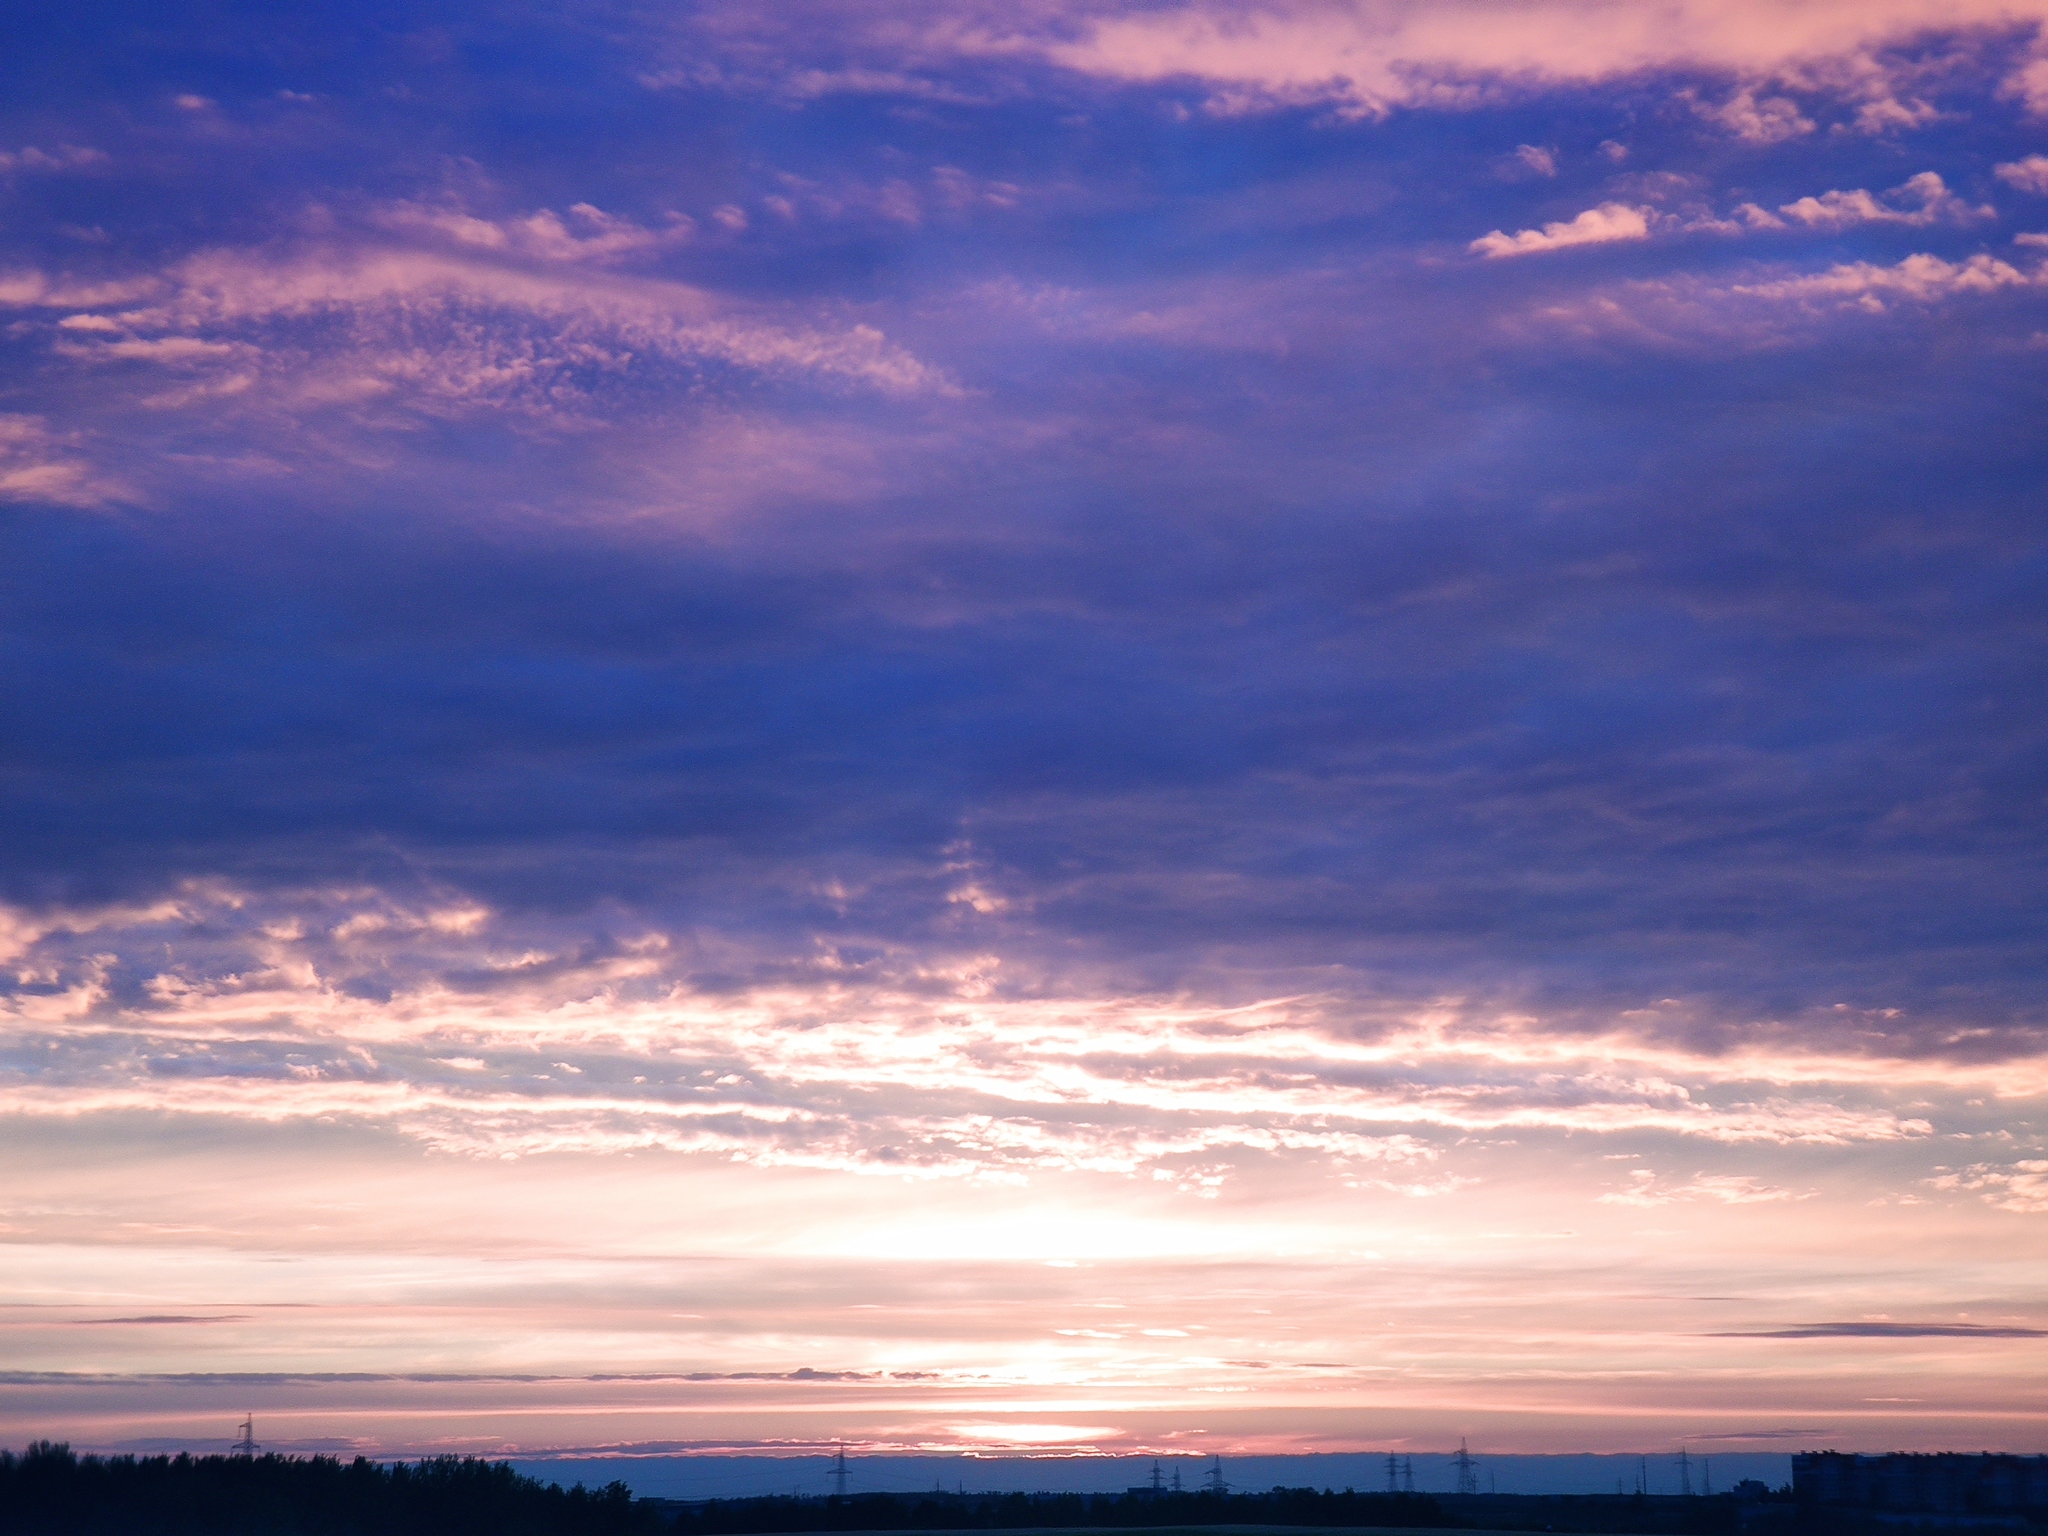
column 1294, row 725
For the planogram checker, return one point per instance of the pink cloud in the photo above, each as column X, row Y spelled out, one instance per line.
column 586, row 234
column 1765, row 120
column 1919, row 201
column 65, row 157
column 39, row 465
column 558, row 326
column 2028, row 175
column 1596, row 226
column 2018, row 1186
column 1920, row 278
column 1368, row 58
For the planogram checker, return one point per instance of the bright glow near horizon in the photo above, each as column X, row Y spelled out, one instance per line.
column 1209, row 727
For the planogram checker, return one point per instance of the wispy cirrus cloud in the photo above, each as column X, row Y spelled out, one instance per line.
column 1646, row 1189
column 41, row 465
column 438, row 331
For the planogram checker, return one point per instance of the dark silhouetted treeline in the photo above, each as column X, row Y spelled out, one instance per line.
column 48, row 1491
column 1025, row 1511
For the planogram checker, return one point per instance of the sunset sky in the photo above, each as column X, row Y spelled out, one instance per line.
column 1146, row 725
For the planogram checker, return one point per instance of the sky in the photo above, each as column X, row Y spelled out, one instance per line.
column 1137, row 726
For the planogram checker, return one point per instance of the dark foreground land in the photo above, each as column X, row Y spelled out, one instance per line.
column 48, row 1491
column 1280, row 1509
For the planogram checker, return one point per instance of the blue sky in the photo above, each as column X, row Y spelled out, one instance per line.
column 895, row 645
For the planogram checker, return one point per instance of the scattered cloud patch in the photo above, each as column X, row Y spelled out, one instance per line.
column 1759, row 121
column 2029, row 83
column 1596, row 226
column 585, row 234
column 39, row 465
column 2028, row 175
column 65, row 157
column 1920, row 201
column 1921, row 279
column 2020, row 1186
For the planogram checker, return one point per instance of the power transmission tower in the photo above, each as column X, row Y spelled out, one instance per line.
column 1684, row 1473
column 1158, row 1483
column 1176, row 1477
column 839, row 1471
column 1393, row 1473
column 1216, row 1484
column 1407, row 1474
column 246, row 1445
column 1468, row 1480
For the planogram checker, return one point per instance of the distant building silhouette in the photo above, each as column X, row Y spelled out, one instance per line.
column 1943, row 1484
